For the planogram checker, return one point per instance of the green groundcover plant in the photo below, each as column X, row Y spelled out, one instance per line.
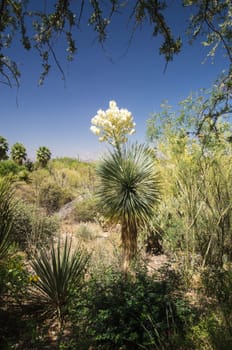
column 137, row 312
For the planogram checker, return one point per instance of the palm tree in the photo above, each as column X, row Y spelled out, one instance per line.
column 18, row 153
column 43, row 156
column 128, row 191
column 4, row 147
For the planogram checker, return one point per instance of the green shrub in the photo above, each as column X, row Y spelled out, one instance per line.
column 218, row 285
column 9, row 167
column 52, row 197
column 85, row 233
column 14, row 277
column 131, row 313
column 210, row 333
column 31, row 227
column 85, row 210
column 24, row 175
column 14, row 282
column 29, row 165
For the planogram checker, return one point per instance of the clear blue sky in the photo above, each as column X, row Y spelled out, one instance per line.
column 58, row 114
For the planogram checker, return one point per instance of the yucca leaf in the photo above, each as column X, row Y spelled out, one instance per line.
column 7, row 204
column 129, row 185
column 57, row 272
column 129, row 189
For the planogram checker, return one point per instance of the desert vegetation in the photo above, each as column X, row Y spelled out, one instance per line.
column 132, row 251
column 129, row 252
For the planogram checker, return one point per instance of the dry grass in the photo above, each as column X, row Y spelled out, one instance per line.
column 104, row 246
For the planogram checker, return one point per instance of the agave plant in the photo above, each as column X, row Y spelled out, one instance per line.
column 128, row 191
column 6, row 214
column 56, row 272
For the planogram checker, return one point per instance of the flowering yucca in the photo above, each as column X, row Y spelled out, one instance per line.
column 113, row 125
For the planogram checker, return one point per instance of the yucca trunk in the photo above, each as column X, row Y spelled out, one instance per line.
column 129, row 243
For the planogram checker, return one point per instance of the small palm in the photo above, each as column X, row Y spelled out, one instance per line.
column 4, row 147
column 18, row 153
column 43, row 155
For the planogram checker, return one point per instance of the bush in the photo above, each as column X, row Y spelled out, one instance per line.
column 85, row 210
column 9, row 167
column 131, row 313
column 31, row 227
column 52, row 197
column 218, row 285
column 85, row 233
column 13, row 277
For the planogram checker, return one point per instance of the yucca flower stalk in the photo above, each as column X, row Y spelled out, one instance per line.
column 128, row 191
column 113, row 125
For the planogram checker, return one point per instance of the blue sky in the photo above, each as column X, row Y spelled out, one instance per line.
column 58, row 114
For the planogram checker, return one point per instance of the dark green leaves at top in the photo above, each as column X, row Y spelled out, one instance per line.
column 153, row 10
column 40, row 25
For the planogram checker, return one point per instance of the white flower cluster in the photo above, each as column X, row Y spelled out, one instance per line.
column 113, row 124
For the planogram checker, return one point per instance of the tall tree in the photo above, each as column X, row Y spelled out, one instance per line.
column 128, row 191
column 18, row 153
column 4, row 147
column 204, row 116
column 43, row 155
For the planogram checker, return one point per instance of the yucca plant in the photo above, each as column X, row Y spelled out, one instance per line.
column 128, row 192
column 56, row 272
column 6, row 214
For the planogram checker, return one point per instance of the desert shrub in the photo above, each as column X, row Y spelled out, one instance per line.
column 66, row 162
column 14, row 282
column 9, row 167
column 218, row 284
column 85, row 210
column 13, row 277
column 32, row 227
column 52, row 197
column 25, row 192
column 210, row 333
column 85, row 233
column 29, row 165
column 24, row 175
column 72, row 172
column 130, row 313
column 213, row 328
